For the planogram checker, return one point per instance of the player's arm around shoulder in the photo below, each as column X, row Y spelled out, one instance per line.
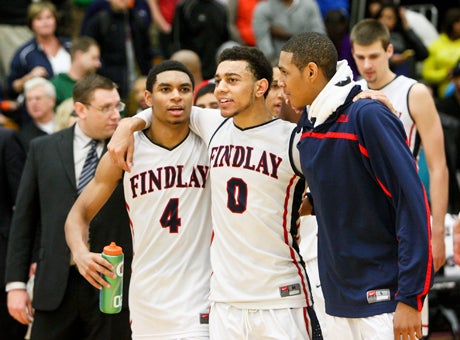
column 91, row 200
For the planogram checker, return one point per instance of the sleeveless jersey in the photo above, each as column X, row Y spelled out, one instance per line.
column 398, row 93
column 256, row 190
column 168, row 201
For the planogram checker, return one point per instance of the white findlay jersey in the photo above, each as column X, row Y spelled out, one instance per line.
column 398, row 93
column 168, row 201
column 254, row 193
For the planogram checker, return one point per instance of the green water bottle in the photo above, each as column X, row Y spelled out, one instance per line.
column 110, row 299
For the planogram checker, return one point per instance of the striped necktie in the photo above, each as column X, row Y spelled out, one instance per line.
column 89, row 168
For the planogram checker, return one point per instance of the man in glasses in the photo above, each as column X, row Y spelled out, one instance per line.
column 64, row 305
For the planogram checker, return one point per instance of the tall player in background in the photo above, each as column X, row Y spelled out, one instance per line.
column 168, row 202
column 372, row 52
column 256, row 188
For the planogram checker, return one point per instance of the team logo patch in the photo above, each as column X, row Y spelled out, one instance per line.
column 204, row 318
column 378, row 295
column 290, row 290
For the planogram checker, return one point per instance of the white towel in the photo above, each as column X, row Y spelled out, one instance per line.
column 333, row 95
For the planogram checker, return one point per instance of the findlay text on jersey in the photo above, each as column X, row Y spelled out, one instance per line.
column 238, row 156
column 168, row 177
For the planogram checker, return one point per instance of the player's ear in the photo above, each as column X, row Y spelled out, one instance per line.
column 148, row 98
column 80, row 109
column 261, row 87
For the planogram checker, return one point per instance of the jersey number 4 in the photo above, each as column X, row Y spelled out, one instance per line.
column 170, row 217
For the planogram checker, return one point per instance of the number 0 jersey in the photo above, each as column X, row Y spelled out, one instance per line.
column 255, row 192
column 168, row 201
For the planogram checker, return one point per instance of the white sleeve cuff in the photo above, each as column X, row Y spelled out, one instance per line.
column 15, row 285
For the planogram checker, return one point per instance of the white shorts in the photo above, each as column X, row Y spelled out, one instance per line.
column 377, row 327
column 227, row 322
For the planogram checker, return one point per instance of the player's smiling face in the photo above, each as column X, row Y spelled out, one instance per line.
column 235, row 86
column 171, row 98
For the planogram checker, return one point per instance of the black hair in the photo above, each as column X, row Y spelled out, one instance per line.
column 167, row 65
column 258, row 64
column 313, row 47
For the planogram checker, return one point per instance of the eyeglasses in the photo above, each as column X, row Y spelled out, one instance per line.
column 108, row 109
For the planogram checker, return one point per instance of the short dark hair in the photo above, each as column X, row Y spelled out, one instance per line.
column 258, row 64
column 82, row 44
column 84, row 88
column 368, row 31
column 313, row 47
column 167, row 65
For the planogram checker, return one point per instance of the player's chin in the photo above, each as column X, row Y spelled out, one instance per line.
column 227, row 113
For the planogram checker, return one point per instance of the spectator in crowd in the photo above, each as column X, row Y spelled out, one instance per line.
column 12, row 159
column 201, row 26
column 275, row 96
column 65, row 115
column 275, row 21
column 45, row 55
column 192, row 61
column 327, row 5
column 240, row 13
column 418, row 22
column 122, row 32
column 14, row 31
column 85, row 59
column 162, row 12
column 205, row 97
column 407, row 47
column 336, row 21
column 443, row 53
column 136, row 101
column 40, row 99
column 64, row 305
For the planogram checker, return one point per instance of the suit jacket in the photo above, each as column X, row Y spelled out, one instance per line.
column 46, row 194
column 29, row 132
column 12, row 159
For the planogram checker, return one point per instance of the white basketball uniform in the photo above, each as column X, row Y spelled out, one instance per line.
column 398, row 93
column 255, row 187
column 168, row 201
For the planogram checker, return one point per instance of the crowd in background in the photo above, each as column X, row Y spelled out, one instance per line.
column 46, row 47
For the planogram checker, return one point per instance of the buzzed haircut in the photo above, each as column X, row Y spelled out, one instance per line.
column 166, row 65
column 84, row 88
column 258, row 64
column 82, row 44
column 368, row 31
column 313, row 47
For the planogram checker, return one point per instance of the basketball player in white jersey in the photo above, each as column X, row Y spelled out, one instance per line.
column 259, row 287
column 414, row 103
column 168, row 200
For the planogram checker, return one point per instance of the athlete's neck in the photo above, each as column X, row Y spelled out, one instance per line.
column 381, row 83
column 254, row 115
column 167, row 135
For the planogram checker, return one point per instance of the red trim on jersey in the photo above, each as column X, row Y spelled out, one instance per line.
column 429, row 273
column 384, row 188
column 286, row 240
column 337, row 135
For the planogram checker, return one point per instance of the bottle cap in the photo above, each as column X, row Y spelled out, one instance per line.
column 113, row 249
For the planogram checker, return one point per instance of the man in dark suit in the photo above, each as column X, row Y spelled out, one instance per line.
column 65, row 305
column 12, row 159
column 40, row 98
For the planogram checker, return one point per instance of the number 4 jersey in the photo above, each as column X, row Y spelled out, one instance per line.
column 168, row 200
column 256, row 192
